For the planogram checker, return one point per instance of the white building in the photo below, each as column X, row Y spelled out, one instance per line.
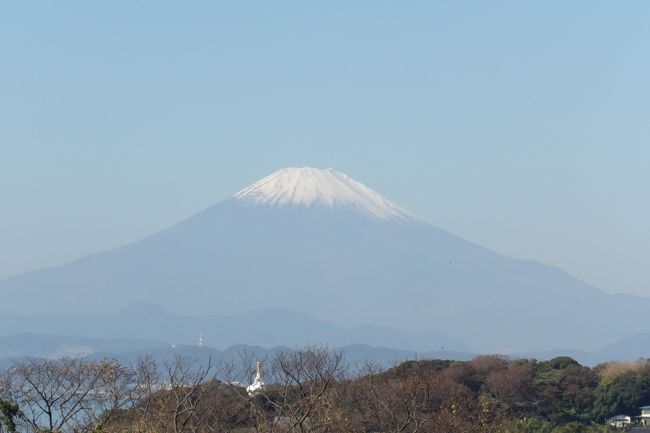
column 258, row 383
column 620, row 421
column 644, row 418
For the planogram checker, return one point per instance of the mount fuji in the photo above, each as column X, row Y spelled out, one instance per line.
column 319, row 242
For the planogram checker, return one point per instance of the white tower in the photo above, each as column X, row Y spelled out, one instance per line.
column 258, row 383
column 200, row 342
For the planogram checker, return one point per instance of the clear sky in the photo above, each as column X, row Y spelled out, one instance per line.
column 522, row 126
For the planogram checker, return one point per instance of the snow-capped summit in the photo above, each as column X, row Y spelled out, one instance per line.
column 309, row 187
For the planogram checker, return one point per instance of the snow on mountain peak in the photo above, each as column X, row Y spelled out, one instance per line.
column 309, row 187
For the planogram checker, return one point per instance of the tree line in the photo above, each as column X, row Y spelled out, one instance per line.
column 316, row 390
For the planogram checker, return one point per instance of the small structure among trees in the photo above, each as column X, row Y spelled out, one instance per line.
column 619, row 421
column 258, row 384
column 644, row 418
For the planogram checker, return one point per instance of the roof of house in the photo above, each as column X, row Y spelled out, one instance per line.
column 644, row 407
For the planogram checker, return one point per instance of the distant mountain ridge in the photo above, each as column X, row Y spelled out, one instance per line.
column 15, row 348
column 318, row 242
column 355, row 355
column 268, row 327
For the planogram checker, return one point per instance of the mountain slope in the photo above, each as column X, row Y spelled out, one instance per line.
column 314, row 241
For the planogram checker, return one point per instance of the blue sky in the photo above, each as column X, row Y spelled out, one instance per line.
column 521, row 126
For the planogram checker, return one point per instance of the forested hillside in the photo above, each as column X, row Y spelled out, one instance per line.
column 317, row 390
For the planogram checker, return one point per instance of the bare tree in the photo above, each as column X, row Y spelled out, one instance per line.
column 308, row 390
column 117, row 388
column 187, row 389
column 301, row 380
column 392, row 404
column 175, row 401
column 142, row 408
column 71, row 394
